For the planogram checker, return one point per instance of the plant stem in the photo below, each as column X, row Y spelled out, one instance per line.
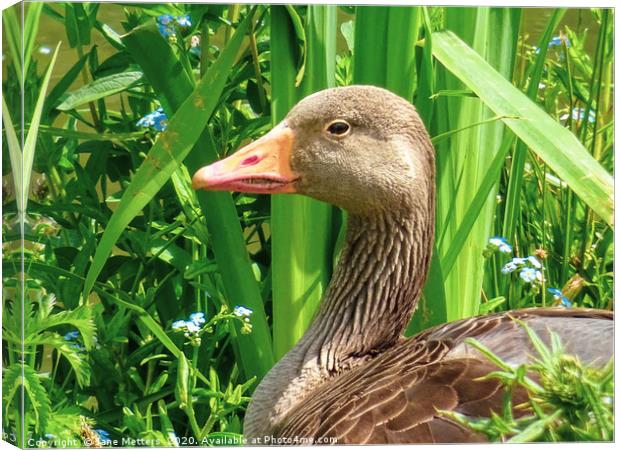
column 91, row 105
column 259, row 78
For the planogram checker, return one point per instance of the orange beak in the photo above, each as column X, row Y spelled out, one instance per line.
column 262, row 167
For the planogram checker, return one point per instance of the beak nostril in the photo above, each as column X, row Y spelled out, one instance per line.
column 250, row 160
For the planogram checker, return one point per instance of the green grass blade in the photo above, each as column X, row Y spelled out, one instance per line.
column 13, row 34
column 33, row 131
column 15, row 154
column 31, row 26
column 301, row 247
column 556, row 145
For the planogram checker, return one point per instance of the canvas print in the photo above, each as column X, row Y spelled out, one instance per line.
column 263, row 224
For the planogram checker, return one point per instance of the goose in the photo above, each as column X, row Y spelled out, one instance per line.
column 353, row 378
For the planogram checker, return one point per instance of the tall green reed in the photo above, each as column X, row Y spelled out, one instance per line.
column 300, row 227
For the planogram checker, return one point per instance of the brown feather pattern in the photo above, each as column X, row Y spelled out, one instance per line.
column 396, row 397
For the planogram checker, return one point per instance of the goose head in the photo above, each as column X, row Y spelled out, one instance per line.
column 361, row 148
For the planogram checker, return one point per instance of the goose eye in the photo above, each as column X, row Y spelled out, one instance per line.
column 338, row 128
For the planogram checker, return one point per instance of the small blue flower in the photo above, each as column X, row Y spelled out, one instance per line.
column 183, row 21
column 49, row 436
column 165, row 31
column 157, row 119
column 104, row 436
column 559, row 297
column 179, row 324
column 498, row 240
column 192, row 327
column 165, row 19
column 197, row 318
column 241, row 311
column 556, row 41
column 534, row 262
column 71, row 335
column 505, row 248
column 528, row 274
column 501, row 244
column 509, row 268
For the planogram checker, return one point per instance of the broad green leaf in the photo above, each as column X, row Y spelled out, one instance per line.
column 100, row 88
column 556, row 145
column 61, row 88
column 168, row 152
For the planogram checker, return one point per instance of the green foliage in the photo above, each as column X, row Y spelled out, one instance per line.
column 570, row 401
column 120, row 253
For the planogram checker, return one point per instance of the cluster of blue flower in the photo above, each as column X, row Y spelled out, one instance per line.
column 242, row 311
column 157, row 120
column 166, row 24
column 530, row 268
column 194, row 327
column 191, row 326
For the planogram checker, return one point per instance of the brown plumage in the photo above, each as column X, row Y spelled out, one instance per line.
column 352, row 376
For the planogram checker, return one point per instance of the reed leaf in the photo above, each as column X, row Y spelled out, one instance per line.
column 463, row 162
column 300, row 226
column 553, row 143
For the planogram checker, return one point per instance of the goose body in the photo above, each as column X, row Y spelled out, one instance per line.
column 353, row 378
